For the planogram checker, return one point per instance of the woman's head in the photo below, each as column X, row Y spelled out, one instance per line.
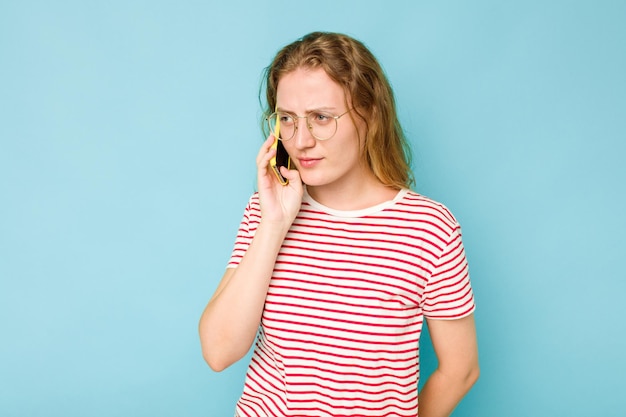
column 351, row 65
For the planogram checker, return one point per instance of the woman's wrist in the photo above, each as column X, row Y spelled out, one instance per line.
column 273, row 229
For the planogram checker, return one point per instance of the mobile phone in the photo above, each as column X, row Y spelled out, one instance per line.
column 281, row 158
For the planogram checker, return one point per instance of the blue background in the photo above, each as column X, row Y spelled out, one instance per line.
column 128, row 132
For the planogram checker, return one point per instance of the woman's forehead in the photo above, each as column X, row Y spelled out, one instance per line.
column 309, row 89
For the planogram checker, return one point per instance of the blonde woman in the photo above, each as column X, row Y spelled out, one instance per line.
column 334, row 273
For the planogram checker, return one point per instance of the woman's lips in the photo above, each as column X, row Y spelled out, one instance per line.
column 308, row 162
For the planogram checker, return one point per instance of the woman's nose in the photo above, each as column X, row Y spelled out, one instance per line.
column 303, row 137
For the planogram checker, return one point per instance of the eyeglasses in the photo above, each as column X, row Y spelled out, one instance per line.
column 322, row 126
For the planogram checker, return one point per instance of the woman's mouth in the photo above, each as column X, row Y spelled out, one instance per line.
column 308, row 162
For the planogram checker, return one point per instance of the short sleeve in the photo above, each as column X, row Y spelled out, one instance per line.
column 448, row 293
column 245, row 233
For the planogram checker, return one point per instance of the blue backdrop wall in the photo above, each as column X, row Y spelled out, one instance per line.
column 128, row 131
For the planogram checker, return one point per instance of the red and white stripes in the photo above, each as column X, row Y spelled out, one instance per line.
column 343, row 315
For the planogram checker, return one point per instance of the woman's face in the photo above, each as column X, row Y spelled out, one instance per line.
column 334, row 163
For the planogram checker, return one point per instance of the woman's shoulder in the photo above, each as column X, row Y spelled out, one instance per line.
column 419, row 205
column 253, row 201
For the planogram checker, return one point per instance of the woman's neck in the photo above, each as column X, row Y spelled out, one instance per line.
column 368, row 193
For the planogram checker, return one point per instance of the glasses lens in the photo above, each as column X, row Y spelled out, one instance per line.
column 271, row 122
column 322, row 125
column 287, row 125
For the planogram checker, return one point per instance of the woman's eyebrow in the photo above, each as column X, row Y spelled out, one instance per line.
column 314, row 109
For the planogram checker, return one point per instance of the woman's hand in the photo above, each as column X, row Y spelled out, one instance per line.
column 279, row 203
column 230, row 321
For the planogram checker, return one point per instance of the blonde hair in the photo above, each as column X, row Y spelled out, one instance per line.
column 349, row 63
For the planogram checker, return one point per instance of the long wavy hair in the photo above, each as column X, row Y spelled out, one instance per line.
column 349, row 63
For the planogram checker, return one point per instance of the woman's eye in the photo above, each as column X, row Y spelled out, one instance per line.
column 321, row 118
column 286, row 119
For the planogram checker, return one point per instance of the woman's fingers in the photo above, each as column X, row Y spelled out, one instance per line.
column 266, row 152
column 290, row 174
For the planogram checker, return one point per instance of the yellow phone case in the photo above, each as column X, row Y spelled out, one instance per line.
column 275, row 167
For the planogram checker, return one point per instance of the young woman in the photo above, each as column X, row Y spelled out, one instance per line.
column 337, row 270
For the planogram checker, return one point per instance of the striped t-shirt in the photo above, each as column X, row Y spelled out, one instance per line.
column 340, row 331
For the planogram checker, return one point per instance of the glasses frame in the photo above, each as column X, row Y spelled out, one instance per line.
column 308, row 125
